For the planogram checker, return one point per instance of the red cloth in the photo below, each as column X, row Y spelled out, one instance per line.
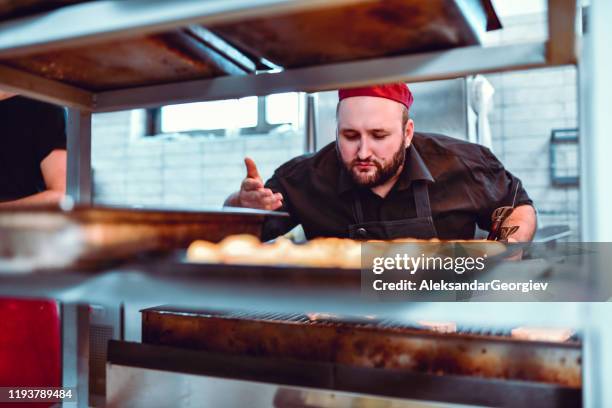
column 30, row 347
column 398, row 92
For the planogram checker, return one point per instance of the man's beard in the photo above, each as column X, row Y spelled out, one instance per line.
column 382, row 174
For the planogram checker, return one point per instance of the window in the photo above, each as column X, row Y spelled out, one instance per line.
column 282, row 108
column 250, row 115
column 240, row 113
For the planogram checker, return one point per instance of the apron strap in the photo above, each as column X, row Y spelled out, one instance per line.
column 420, row 191
column 421, row 198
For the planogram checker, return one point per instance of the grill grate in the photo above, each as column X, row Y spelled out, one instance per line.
column 329, row 319
column 354, row 321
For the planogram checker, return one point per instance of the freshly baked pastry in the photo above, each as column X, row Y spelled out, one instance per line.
column 324, row 252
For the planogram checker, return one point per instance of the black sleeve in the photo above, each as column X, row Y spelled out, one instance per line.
column 494, row 187
column 51, row 130
column 276, row 226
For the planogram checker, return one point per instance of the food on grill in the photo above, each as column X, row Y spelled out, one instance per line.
column 337, row 318
column 328, row 252
column 542, row 334
column 439, row 327
column 365, row 342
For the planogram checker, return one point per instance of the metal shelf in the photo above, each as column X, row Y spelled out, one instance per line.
column 190, row 285
column 116, row 19
column 452, row 63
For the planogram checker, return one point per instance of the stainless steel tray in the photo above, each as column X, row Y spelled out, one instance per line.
column 45, row 237
column 321, row 377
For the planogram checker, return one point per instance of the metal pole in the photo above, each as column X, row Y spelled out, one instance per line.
column 78, row 178
column 311, row 124
column 596, row 195
column 75, row 351
column 597, row 374
column 594, row 94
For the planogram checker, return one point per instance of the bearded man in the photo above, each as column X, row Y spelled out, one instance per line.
column 383, row 180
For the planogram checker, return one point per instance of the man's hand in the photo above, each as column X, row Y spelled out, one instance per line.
column 523, row 216
column 252, row 192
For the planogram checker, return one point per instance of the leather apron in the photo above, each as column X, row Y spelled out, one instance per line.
column 420, row 227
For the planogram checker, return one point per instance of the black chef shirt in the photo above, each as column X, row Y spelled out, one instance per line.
column 466, row 183
column 29, row 131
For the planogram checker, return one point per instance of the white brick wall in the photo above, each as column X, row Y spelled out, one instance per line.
column 528, row 106
column 202, row 171
column 177, row 170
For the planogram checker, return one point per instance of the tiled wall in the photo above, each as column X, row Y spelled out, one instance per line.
column 178, row 170
column 527, row 106
column 202, row 171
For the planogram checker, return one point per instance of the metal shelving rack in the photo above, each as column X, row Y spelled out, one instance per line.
column 115, row 19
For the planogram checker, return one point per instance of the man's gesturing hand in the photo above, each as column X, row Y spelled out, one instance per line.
column 253, row 194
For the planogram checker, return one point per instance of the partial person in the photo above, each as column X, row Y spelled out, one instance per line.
column 32, row 172
column 32, row 151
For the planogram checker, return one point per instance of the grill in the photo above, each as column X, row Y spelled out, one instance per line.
column 368, row 342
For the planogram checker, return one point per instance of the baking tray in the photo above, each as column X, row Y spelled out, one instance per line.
column 297, row 278
column 361, row 31
column 154, row 59
column 49, row 237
